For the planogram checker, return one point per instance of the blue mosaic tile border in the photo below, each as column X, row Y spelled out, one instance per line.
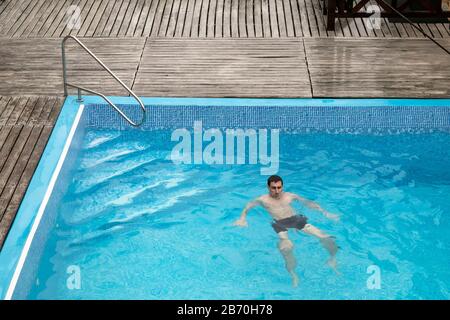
column 291, row 118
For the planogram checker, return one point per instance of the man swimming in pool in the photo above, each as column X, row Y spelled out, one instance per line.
column 278, row 204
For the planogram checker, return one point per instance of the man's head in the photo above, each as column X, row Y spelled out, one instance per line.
column 275, row 185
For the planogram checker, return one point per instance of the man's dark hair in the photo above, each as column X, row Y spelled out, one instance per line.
column 274, row 179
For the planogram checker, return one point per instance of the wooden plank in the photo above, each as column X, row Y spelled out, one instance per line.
column 434, row 31
column 373, row 30
column 235, row 18
column 401, row 30
column 353, row 28
column 107, row 30
column 267, row 33
column 38, row 109
column 35, row 16
column 280, row 14
column 61, row 20
column 9, row 135
column 174, row 18
column 100, row 19
column 142, row 19
column 393, row 28
column 289, row 18
column 44, row 116
column 424, row 28
column 409, row 30
column 303, row 18
column 219, row 19
column 310, row 18
column 3, row 5
column 7, row 147
column 10, row 212
column 298, row 32
column 54, row 113
column 4, row 132
column 72, row 25
column 320, row 21
column 227, row 18
column 344, row 27
column 189, row 17
column 442, row 30
column 165, row 18
column 32, row 66
column 447, row 27
column 416, row 33
column 20, row 155
column 19, row 20
column 405, row 78
column 362, row 28
column 223, row 67
column 131, row 19
column 241, row 25
column 13, row 156
column 17, row 111
column 203, row 19
column 120, row 18
column 196, row 19
column 84, row 15
column 5, row 13
column 27, row 111
column 99, row 23
column 57, row 12
column 5, row 8
column 210, row 32
column 150, row 22
column 89, row 19
column 275, row 32
column 3, row 103
column 46, row 12
column 158, row 18
column 11, row 15
column 179, row 24
column 250, row 19
column 6, row 107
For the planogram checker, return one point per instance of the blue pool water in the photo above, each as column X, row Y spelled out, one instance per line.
column 140, row 227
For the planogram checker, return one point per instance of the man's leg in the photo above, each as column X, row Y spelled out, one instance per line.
column 286, row 248
column 327, row 241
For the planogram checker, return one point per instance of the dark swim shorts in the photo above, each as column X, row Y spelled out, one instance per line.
column 297, row 222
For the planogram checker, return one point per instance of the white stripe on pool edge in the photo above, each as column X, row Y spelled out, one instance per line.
column 42, row 207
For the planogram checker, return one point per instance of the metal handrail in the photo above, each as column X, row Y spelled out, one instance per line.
column 95, row 92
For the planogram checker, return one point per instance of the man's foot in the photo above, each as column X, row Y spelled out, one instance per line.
column 330, row 244
column 333, row 264
column 295, row 279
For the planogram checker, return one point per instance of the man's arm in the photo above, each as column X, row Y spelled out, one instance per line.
column 313, row 205
column 241, row 221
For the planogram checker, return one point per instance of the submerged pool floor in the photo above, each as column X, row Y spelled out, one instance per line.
column 137, row 226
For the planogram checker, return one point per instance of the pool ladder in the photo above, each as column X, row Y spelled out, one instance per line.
column 80, row 99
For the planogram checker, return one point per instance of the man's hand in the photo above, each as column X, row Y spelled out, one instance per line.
column 331, row 216
column 241, row 223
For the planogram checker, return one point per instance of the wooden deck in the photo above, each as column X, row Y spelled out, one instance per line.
column 34, row 67
column 236, row 67
column 194, row 48
column 191, row 19
column 25, row 126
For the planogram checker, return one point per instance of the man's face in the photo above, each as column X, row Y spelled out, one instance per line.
column 275, row 189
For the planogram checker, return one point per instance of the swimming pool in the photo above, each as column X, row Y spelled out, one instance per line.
column 126, row 220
